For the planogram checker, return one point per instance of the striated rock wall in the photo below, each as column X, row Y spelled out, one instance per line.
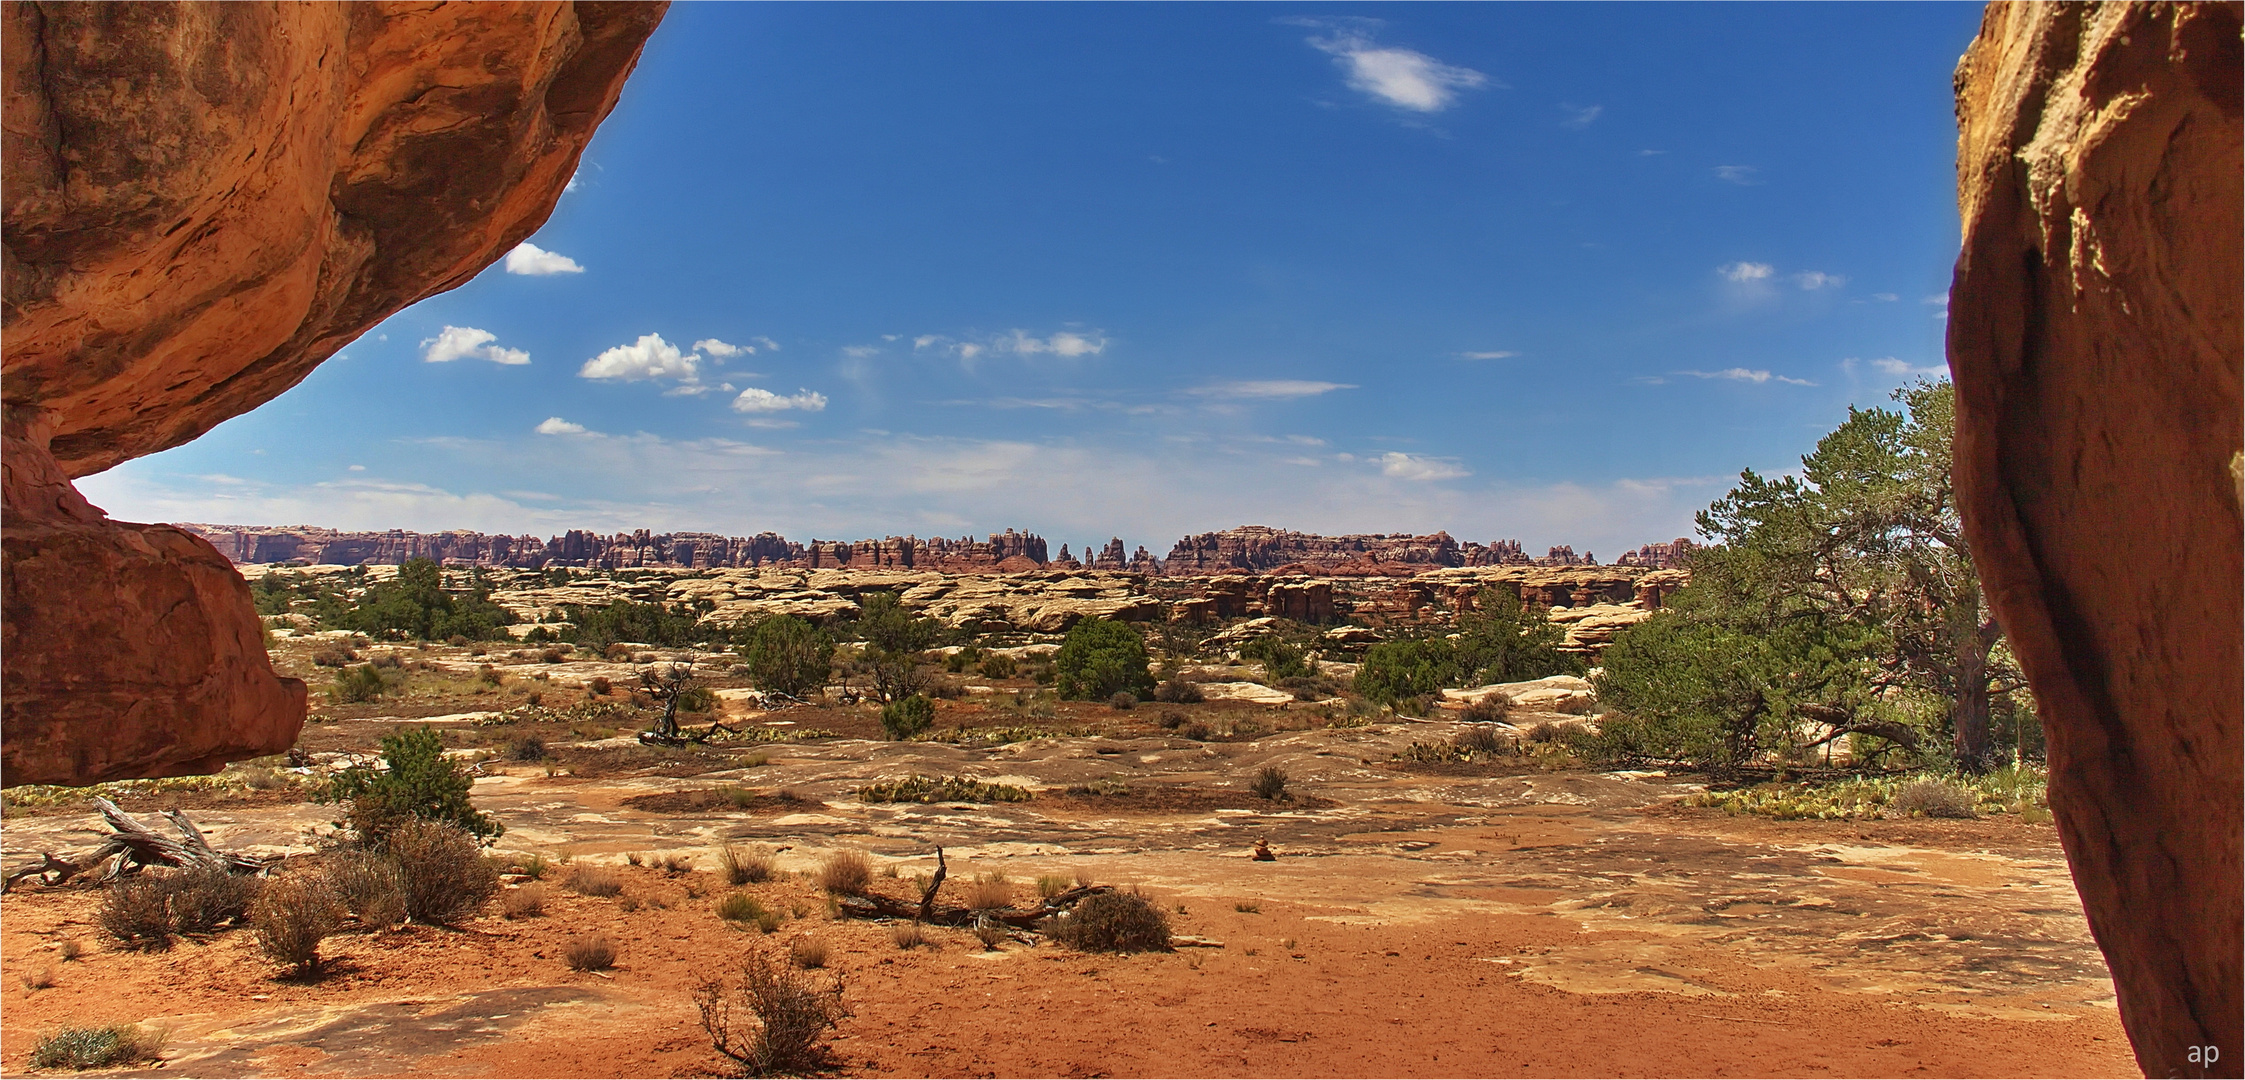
column 1005, row 552
column 1259, row 547
column 2094, row 335
column 202, row 202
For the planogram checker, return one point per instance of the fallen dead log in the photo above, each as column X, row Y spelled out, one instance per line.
column 876, row 906
column 132, row 846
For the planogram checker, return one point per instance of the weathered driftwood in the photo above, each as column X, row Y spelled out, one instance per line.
column 131, row 846
column 875, row 906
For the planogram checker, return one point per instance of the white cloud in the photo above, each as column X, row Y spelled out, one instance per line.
column 648, row 358
column 861, row 352
column 1267, row 389
column 1817, row 279
column 1737, row 174
column 969, row 351
column 468, row 343
column 1400, row 77
column 753, row 400
column 358, row 468
column 1066, row 344
column 719, row 349
column 1889, row 365
column 1885, row 297
column 531, row 260
column 1739, row 374
column 1745, row 271
column 1414, row 467
column 1579, row 116
column 554, row 425
column 1498, row 354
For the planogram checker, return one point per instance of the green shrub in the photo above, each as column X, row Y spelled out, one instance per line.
column 1112, row 922
column 1501, row 640
column 355, row 684
column 907, row 716
column 418, row 783
column 1099, row 658
column 1279, row 660
column 415, row 605
column 786, row 655
column 1395, row 670
column 599, row 628
column 94, row 1047
column 998, row 666
column 929, row 789
column 743, row 908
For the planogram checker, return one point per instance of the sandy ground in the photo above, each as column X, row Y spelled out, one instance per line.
column 1490, row 922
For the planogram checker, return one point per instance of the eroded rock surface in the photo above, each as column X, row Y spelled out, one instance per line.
column 2094, row 334
column 202, row 203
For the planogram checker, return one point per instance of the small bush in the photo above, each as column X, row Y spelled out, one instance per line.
column 590, row 952
column 1051, row 885
column 744, row 867
column 908, row 935
column 550, row 656
column 369, row 884
column 989, row 891
column 292, row 916
column 1480, row 739
column 205, row 898
column 1112, row 922
column 1100, row 657
column 1171, row 719
column 1489, row 710
column 743, row 908
column 1932, row 798
column 1270, row 783
column 1122, row 701
column 792, row 1016
column 527, row 902
column 1178, row 692
column 807, row 952
column 1248, row 907
column 417, row 782
column 529, row 748
column 94, row 1047
column 446, row 876
column 907, row 716
column 35, row 980
column 136, row 913
column 361, row 683
column 846, row 873
column 930, row 789
column 675, row 864
column 1546, row 732
column 334, row 656
column 1196, row 731
column 593, row 881
column 71, row 950
column 600, row 686
column 997, row 666
column 989, row 934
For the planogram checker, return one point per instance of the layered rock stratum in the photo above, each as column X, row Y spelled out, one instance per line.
column 202, row 202
column 2095, row 339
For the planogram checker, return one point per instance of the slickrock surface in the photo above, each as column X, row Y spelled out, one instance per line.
column 202, row 203
column 2094, row 332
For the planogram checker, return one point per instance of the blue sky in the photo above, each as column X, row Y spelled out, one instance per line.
column 1546, row 272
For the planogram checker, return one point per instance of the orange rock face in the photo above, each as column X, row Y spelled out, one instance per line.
column 2094, row 333
column 202, row 203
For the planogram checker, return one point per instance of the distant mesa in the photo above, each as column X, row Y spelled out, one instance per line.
column 1247, row 549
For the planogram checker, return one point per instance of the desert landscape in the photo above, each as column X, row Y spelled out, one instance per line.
column 484, row 702
column 1446, row 893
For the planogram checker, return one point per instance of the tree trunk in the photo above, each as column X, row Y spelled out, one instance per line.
column 1968, row 712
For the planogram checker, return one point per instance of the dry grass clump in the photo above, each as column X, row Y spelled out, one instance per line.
column 447, row 879
column 369, row 885
column 590, row 952
column 95, row 1047
column 989, row 934
column 36, row 980
column 1112, row 922
column 908, row 935
column 70, row 949
column 1123, row 701
column 989, row 891
column 1178, row 692
column 1051, row 885
column 527, row 902
column 745, row 867
column 136, row 914
column 1488, row 710
column 593, row 881
column 292, row 916
column 743, row 908
column 1932, row 798
column 677, row 864
column 206, row 897
column 1270, row 783
column 792, row 1015
column 807, row 952
column 846, row 873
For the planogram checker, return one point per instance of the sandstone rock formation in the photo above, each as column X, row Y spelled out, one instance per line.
column 2094, row 335
column 202, row 202
column 1007, row 552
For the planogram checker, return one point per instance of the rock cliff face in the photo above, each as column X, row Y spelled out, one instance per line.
column 1005, row 552
column 1259, row 547
column 202, row 202
column 2094, row 334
